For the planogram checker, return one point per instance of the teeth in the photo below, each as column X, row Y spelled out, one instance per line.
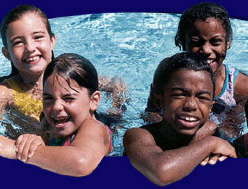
column 188, row 118
column 32, row 59
column 61, row 120
column 210, row 61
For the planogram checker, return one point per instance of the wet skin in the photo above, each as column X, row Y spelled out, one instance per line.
column 61, row 105
column 187, row 100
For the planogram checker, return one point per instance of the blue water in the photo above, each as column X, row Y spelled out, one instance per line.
column 130, row 46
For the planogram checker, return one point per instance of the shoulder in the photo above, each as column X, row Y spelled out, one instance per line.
column 241, row 84
column 139, row 136
column 6, row 91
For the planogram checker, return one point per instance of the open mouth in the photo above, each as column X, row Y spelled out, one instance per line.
column 211, row 61
column 32, row 60
column 59, row 121
column 188, row 121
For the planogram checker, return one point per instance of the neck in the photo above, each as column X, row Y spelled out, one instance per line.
column 31, row 81
column 177, row 138
column 219, row 77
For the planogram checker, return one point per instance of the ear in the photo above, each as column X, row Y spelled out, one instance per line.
column 6, row 53
column 228, row 45
column 53, row 41
column 157, row 101
column 95, row 100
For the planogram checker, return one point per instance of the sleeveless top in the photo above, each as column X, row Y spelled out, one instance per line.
column 228, row 114
column 25, row 103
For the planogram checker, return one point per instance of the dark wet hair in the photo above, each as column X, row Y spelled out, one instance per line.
column 202, row 11
column 184, row 60
column 15, row 14
column 75, row 67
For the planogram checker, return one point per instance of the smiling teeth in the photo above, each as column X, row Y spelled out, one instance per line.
column 32, row 59
column 60, row 120
column 187, row 118
column 210, row 61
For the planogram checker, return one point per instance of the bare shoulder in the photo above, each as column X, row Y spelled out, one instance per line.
column 241, row 84
column 138, row 136
column 92, row 126
column 93, row 133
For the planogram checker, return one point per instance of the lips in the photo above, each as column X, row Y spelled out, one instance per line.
column 60, row 121
column 32, row 60
column 188, row 120
column 210, row 61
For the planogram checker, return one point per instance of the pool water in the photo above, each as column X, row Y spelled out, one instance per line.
column 129, row 46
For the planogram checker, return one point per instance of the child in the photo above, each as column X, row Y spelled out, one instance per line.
column 28, row 44
column 70, row 82
column 183, row 87
column 206, row 28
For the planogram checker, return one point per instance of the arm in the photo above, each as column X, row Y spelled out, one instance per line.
column 90, row 145
column 6, row 98
column 241, row 88
column 208, row 129
column 165, row 167
column 117, row 89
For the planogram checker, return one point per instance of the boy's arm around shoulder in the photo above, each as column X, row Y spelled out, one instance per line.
column 81, row 157
column 164, row 167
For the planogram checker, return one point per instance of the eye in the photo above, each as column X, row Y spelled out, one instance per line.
column 178, row 95
column 69, row 99
column 47, row 99
column 216, row 42
column 38, row 37
column 204, row 98
column 16, row 43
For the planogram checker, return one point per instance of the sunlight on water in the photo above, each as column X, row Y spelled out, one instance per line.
column 130, row 46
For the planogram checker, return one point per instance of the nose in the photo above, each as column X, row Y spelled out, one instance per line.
column 190, row 104
column 58, row 106
column 30, row 46
column 206, row 49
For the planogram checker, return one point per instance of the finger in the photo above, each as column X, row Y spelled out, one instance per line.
column 222, row 158
column 37, row 142
column 18, row 142
column 20, row 145
column 26, row 146
column 213, row 159
column 205, row 161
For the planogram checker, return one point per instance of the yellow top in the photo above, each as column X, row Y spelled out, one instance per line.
column 24, row 102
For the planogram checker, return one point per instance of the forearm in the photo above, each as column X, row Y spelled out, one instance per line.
column 65, row 160
column 166, row 167
column 7, row 148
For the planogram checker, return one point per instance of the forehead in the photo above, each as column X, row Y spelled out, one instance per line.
column 185, row 78
column 209, row 25
column 58, row 83
column 27, row 21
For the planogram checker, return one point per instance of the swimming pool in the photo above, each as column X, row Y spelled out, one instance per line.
column 129, row 46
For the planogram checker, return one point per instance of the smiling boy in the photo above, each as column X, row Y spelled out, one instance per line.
column 183, row 87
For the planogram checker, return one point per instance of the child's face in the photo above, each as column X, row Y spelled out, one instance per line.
column 208, row 37
column 66, row 107
column 29, row 45
column 187, row 100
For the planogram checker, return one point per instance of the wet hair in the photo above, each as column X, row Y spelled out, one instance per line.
column 15, row 14
column 202, row 11
column 75, row 67
column 185, row 60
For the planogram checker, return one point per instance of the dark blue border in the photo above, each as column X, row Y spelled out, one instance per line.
column 117, row 172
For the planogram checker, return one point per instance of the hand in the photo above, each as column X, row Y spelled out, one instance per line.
column 213, row 159
column 26, row 146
